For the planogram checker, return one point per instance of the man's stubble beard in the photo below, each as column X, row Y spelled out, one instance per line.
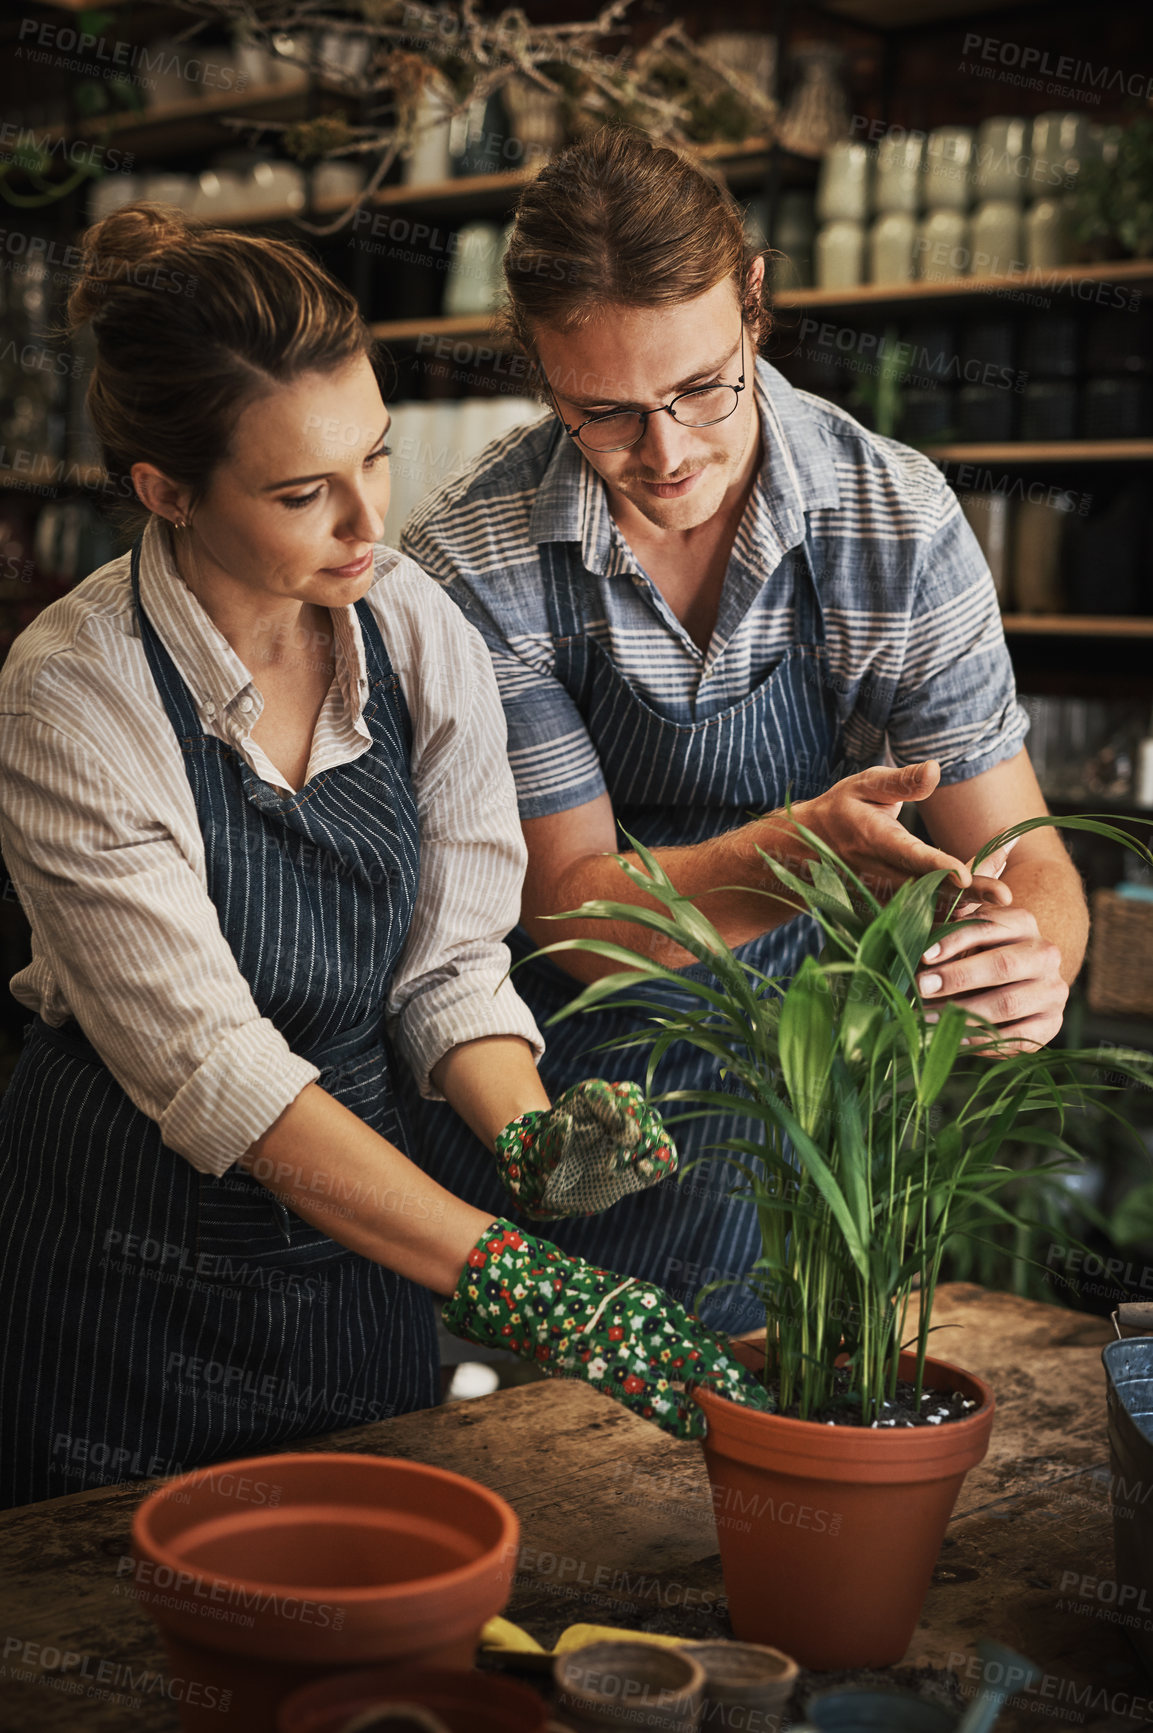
column 689, row 512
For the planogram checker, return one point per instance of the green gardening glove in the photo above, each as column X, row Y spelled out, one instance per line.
column 595, row 1145
column 624, row 1337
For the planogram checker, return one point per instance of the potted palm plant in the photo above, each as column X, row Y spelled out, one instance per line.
column 831, row 1509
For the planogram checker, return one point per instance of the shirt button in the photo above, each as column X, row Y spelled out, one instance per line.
column 245, row 704
column 209, row 712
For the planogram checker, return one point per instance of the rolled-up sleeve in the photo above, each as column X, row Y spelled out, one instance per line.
column 136, row 949
column 554, row 763
column 957, row 697
column 451, row 983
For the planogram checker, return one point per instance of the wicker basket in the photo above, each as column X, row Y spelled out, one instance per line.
column 1121, row 956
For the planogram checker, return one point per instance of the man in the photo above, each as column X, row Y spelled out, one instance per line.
column 704, row 591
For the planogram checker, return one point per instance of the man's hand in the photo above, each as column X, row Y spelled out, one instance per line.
column 1001, row 968
column 860, row 818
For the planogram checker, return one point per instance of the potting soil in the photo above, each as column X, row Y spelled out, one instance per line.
column 936, row 1407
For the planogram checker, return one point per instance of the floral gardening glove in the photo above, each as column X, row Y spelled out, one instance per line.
column 595, row 1145
column 624, row 1337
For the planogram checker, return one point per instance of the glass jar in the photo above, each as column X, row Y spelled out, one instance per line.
column 926, row 414
column 840, row 255
column 987, row 515
column 942, row 245
column 995, row 238
column 949, row 168
column 893, row 248
column 1049, row 347
column 1058, row 144
column 1115, row 409
column 900, row 162
column 1049, row 410
column 844, row 184
column 1046, row 232
column 1001, row 162
column 1038, row 534
column 473, row 270
column 431, row 156
column 984, row 413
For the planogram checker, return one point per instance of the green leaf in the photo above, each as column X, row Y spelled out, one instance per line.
column 896, row 940
column 807, row 1045
column 818, row 1168
column 1094, row 823
column 942, row 1055
column 639, row 969
column 852, row 1146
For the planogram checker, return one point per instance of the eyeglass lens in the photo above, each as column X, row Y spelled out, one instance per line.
column 692, row 409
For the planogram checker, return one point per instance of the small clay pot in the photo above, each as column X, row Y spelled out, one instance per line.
column 747, row 1676
column 461, row 1702
column 829, row 1534
column 266, row 1574
column 634, row 1685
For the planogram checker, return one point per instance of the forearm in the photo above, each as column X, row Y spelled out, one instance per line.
column 489, row 1082
column 334, row 1171
column 1052, row 892
column 725, row 877
column 729, row 878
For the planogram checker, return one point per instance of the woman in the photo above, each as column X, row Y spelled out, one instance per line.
column 255, row 802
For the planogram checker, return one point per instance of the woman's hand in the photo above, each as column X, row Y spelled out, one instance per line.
column 597, row 1144
column 623, row 1337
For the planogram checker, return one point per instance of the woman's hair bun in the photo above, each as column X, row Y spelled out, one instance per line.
column 128, row 236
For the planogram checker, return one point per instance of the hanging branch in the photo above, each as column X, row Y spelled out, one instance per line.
column 671, row 89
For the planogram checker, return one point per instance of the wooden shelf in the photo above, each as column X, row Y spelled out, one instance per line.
column 456, row 195
column 408, row 330
column 475, row 195
column 1128, row 273
column 494, row 192
column 1079, row 625
column 1047, row 451
column 177, row 116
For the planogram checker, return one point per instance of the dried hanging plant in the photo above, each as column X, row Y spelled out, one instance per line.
column 672, row 89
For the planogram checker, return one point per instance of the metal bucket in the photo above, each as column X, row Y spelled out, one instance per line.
column 1129, row 1393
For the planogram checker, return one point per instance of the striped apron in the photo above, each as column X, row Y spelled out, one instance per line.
column 156, row 1318
column 670, row 783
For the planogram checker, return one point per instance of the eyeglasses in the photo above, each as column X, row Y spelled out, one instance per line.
column 617, row 429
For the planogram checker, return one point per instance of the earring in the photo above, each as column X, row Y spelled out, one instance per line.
column 180, row 523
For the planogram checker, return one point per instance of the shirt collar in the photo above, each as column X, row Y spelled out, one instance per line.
column 210, row 667
column 797, row 475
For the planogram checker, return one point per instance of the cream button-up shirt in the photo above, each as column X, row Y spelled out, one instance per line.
column 101, row 838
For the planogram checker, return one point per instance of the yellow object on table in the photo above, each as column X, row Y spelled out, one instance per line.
column 502, row 1634
column 501, row 1637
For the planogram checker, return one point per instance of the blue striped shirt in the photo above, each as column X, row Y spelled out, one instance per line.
column 916, row 649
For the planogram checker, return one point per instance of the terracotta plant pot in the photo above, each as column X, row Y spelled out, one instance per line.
column 269, row 1573
column 829, row 1534
column 464, row 1702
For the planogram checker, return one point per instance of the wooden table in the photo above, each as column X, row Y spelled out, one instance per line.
column 617, row 1528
